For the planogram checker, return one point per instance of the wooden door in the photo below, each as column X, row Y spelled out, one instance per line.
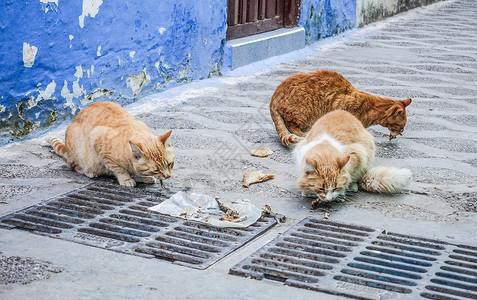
column 247, row 17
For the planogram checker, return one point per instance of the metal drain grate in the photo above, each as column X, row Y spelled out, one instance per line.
column 115, row 218
column 364, row 263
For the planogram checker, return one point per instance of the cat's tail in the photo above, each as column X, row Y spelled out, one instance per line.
column 57, row 145
column 387, row 180
column 286, row 138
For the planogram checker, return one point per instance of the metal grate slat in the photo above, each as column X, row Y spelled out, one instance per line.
column 376, row 264
column 114, row 218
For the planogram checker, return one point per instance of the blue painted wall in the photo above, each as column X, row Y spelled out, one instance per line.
column 324, row 18
column 57, row 57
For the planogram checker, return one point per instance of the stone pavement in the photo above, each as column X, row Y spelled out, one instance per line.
column 428, row 54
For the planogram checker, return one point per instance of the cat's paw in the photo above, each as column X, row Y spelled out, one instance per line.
column 128, row 182
column 148, row 179
column 297, row 139
column 291, row 139
column 89, row 174
column 340, row 200
column 353, row 187
column 77, row 169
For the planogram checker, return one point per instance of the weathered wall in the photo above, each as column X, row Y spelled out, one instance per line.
column 369, row 11
column 324, row 18
column 59, row 56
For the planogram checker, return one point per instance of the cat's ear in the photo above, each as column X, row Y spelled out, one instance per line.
column 406, row 102
column 136, row 151
column 165, row 138
column 397, row 111
column 342, row 161
column 309, row 169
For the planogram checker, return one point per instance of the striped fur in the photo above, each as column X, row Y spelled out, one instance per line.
column 301, row 99
column 335, row 157
column 57, row 145
column 104, row 139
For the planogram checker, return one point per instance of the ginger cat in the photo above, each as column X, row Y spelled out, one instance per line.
column 335, row 156
column 303, row 98
column 104, row 139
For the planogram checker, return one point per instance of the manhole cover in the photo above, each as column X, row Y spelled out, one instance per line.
column 365, row 263
column 116, row 218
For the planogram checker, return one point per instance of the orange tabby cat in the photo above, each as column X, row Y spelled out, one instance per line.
column 104, row 139
column 303, row 98
column 336, row 155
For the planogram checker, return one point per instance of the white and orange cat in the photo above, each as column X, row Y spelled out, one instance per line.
column 335, row 157
column 104, row 139
column 304, row 97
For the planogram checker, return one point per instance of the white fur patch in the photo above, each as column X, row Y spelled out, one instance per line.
column 386, row 179
column 303, row 150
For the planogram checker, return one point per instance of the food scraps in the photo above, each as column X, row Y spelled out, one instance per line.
column 261, row 152
column 267, row 210
column 231, row 215
column 255, row 177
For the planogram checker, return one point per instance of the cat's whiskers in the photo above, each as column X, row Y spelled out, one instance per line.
column 348, row 195
column 341, row 198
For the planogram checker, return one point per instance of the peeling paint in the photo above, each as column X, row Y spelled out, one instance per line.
column 98, row 53
column 29, row 53
column 178, row 74
column 47, row 93
column 137, row 81
column 90, row 8
column 52, row 119
column 31, row 102
column 49, row 1
column 28, row 126
column 96, row 94
column 2, row 108
column 79, row 72
column 71, row 37
column 185, row 68
column 161, row 30
column 65, row 93
column 9, row 116
column 77, row 90
column 132, row 53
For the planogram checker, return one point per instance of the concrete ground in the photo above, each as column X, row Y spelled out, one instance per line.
column 428, row 54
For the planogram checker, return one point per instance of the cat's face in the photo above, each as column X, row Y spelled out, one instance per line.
column 396, row 118
column 324, row 179
column 154, row 158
